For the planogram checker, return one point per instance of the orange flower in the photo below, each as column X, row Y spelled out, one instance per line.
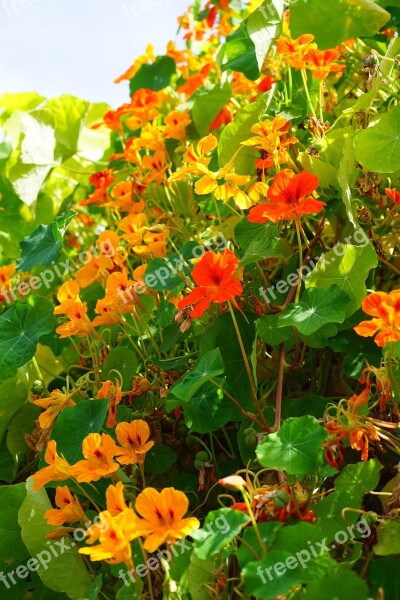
column 69, row 508
column 162, row 514
column 118, row 526
column 113, row 393
column 114, row 535
column 295, row 51
column 157, row 166
column 101, row 181
column 67, row 295
column 289, row 198
column 115, row 499
column 145, row 105
column 393, row 195
column 359, row 438
column 271, row 138
column 133, row 226
column 223, row 118
column 175, row 125
column 386, row 310
column 58, row 469
column 6, row 274
column 99, row 451
column 56, row 402
column 217, row 282
column 79, row 323
column 133, row 438
column 320, row 63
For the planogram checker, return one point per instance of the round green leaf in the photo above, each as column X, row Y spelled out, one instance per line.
column 294, row 448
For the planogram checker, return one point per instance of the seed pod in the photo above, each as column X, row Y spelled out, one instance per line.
column 281, row 499
column 37, row 387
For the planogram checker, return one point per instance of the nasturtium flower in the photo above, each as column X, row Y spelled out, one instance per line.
column 79, row 323
column 58, row 468
column 289, row 197
column 162, row 516
column 67, row 295
column 99, row 452
column 114, row 535
column 322, row 62
column 175, row 125
column 394, row 195
column 217, row 279
column 113, row 392
column 295, row 51
column 6, row 275
column 115, row 499
column 385, row 308
column 69, row 509
column 133, row 437
column 54, row 404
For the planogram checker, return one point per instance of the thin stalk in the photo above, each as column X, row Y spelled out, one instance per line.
column 248, row 369
column 304, row 77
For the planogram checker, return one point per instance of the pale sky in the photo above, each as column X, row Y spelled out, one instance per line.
column 80, row 46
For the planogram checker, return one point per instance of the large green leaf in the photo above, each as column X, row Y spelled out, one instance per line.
column 14, row 392
column 358, row 479
column 155, row 76
column 316, row 308
column 347, row 270
column 265, row 241
column 44, row 245
column 34, row 136
column 247, row 47
column 65, row 572
column 21, row 327
column 334, row 22
column 159, row 459
column 295, row 447
column 12, row 548
column 208, row 366
column 207, row 410
column 208, row 102
column 240, row 53
column 220, row 527
column 69, row 114
column 263, row 26
column 388, row 538
column 121, row 360
column 385, row 573
column 377, row 148
column 346, row 585
column 74, row 424
column 268, row 330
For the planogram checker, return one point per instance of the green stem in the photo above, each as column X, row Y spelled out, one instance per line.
column 300, row 244
column 304, row 76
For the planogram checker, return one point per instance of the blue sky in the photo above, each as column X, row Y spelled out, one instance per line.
column 80, row 46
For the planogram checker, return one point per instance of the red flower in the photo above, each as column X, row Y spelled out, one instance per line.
column 289, row 196
column 216, row 280
column 265, row 84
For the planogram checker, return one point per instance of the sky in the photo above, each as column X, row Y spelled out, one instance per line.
column 80, row 46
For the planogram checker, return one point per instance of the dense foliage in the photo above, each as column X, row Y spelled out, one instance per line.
column 200, row 317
